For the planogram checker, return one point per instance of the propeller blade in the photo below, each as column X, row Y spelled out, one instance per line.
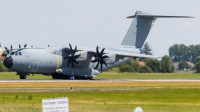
column 72, row 63
column 102, row 51
column 11, row 47
column 97, row 65
column 101, row 67
column 19, row 46
column 105, row 63
column 105, row 57
column 97, row 50
column 25, row 45
column 76, row 56
column 7, row 50
column 74, row 51
column 70, row 46
column 76, row 62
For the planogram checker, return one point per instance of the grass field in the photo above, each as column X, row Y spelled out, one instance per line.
column 180, row 75
column 104, row 96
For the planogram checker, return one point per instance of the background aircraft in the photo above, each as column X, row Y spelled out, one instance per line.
column 82, row 62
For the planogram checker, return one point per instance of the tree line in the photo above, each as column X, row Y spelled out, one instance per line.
column 181, row 52
column 2, row 67
column 151, row 66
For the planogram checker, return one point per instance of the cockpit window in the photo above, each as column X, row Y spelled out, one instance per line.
column 12, row 53
column 16, row 53
column 20, row 53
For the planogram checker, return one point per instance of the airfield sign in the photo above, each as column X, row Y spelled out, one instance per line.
column 55, row 105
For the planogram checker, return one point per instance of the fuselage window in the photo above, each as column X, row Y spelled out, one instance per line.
column 20, row 53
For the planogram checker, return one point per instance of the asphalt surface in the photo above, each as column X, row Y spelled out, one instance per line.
column 101, row 80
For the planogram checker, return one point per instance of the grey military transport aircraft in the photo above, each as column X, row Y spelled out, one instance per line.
column 82, row 62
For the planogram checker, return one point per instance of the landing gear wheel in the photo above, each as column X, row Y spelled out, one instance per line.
column 83, row 77
column 22, row 76
column 53, row 77
column 90, row 78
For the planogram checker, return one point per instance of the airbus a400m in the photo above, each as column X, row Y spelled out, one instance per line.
column 82, row 62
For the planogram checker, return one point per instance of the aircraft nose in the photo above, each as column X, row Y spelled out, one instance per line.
column 8, row 62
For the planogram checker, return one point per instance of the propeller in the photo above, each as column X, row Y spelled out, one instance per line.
column 25, row 45
column 11, row 47
column 99, row 58
column 7, row 50
column 71, row 56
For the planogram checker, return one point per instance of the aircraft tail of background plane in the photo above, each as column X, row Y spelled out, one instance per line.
column 140, row 28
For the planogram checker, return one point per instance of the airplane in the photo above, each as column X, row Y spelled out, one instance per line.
column 79, row 62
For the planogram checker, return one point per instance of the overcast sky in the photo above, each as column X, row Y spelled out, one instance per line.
column 91, row 22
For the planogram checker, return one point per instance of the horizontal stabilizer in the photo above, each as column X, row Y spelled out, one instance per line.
column 159, row 16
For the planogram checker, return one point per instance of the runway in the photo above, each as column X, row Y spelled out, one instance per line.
column 101, row 80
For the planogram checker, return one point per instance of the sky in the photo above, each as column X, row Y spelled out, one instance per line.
column 96, row 22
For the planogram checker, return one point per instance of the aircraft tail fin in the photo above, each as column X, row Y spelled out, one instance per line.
column 140, row 28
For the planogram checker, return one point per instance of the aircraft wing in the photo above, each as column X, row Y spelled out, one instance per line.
column 134, row 55
column 120, row 53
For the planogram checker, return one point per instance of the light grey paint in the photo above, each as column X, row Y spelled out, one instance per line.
column 138, row 30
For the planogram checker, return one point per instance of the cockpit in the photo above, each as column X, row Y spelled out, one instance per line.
column 16, row 53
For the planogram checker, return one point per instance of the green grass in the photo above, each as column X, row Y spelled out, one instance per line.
column 150, row 99
column 186, row 75
column 12, row 75
column 105, row 96
column 107, row 75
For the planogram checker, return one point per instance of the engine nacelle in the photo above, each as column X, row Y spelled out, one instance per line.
column 113, row 58
column 84, row 55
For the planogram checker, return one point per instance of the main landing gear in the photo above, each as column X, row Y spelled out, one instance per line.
column 83, row 77
column 59, row 76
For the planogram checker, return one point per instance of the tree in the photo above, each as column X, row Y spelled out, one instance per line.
column 174, row 52
column 179, row 52
column 197, row 59
column 135, row 65
column 197, row 66
column 183, row 65
column 166, row 64
column 145, row 69
column 126, row 68
column 153, row 64
column 147, row 49
column 2, row 67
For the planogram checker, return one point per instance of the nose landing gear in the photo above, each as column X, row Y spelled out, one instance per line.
column 22, row 75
